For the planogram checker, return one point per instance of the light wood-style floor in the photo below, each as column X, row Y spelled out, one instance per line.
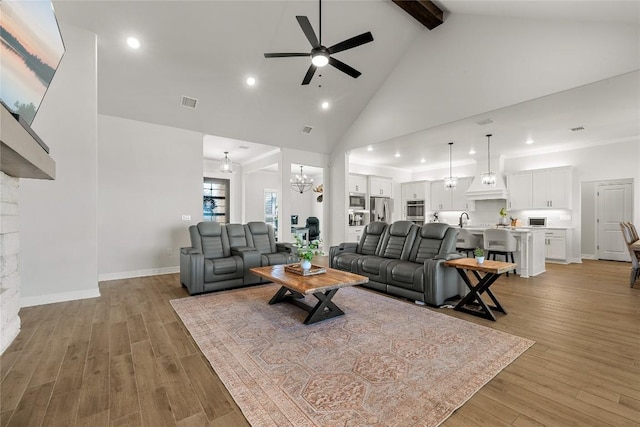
column 125, row 358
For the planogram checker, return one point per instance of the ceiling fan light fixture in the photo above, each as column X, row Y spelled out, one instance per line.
column 319, row 59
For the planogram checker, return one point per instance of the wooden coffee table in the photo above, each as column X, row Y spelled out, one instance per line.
column 492, row 270
column 322, row 286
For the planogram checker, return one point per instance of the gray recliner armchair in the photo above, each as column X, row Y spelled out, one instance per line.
column 261, row 237
column 208, row 264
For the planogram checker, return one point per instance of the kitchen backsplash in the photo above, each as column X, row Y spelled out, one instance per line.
column 487, row 214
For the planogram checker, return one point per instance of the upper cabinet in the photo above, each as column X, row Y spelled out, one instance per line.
column 357, row 183
column 451, row 199
column 416, row 190
column 540, row 189
column 380, row 187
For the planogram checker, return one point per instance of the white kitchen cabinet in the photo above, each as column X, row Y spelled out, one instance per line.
column 440, row 196
column 519, row 185
column 415, row 190
column 540, row 189
column 354, row 234
column 380, row 187
column 451, row 199
column 556, row 245
column 357, row 183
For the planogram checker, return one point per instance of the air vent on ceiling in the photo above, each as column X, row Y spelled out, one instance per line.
column 576, row 129
column 307, row 129
column 485, row 122
column 189, row 102
column 243, row 147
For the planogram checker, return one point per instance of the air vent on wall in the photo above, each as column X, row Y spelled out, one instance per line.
column 485, row 122
column 576, row 129
column 189, row 102
column 307, row 129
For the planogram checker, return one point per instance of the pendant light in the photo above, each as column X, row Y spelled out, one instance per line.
column 451, row 181
column 301, row 183
column 225, row 163
column 489, row 178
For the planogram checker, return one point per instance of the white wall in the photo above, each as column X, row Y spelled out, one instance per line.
column 255, row 184
column 212, row 170
column 148, row 177
column 58, row 237
column 473, row 64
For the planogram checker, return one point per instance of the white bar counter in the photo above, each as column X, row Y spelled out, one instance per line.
column 530, row 256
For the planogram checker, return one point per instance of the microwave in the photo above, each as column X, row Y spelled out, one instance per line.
column 538, row 222
column 357, row 201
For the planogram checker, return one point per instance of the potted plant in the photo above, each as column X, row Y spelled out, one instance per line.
column 479, row 254
column 503, row 216
column 307, row 252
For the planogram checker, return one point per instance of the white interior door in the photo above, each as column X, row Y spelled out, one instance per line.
column 613, row 207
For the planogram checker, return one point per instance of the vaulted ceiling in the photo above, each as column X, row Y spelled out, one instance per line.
column 412, row 79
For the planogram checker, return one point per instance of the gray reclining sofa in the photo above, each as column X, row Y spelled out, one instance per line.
column 403, row 259
column 220, row 255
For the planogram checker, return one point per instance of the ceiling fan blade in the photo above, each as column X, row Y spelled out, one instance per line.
column 351, row 43
column 284, row 55
column 344, row 68
column 309, row 75
column 307, row 29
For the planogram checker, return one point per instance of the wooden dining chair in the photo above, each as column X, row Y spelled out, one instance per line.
column 633, row 245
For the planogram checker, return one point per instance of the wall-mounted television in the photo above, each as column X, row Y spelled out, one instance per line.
column 31, row 48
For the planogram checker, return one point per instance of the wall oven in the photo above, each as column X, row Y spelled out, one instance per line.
column 357, row 201
column 415, row 210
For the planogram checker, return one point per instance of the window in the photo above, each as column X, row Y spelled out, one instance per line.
column 271, row 209
column 215, row 200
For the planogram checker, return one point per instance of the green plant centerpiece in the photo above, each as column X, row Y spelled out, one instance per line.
column 503, row 216
column 479, row 254
column 306, row 252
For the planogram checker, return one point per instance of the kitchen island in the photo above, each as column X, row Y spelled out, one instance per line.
column 530, row 255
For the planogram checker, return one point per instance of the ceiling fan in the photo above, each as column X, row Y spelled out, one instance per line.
column 321, row 55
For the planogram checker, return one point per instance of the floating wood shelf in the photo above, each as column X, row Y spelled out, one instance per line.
column 20, row 154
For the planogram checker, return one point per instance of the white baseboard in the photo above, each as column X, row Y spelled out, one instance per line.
column 59, row 297
column 9, row 333
column 588, row 256
column 138, row 273
column 578, row 260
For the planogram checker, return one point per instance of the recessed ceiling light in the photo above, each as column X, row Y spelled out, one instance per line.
column 472, row 151
column 529, row 141
column 325, row 105
column 251, row 81
column 133, row 42
column 397, row 155
column 370, row 148
column 422, row 160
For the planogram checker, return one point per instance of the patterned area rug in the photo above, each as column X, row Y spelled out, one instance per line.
column 384, row 363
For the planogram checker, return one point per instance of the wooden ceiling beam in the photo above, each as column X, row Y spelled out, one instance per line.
column 424, row 11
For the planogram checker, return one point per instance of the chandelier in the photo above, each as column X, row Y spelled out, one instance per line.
column 451, row 181
column 225, row 164
column 301, row 183
column 489, row 178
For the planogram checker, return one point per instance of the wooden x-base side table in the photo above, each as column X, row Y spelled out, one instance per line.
column 492, row 270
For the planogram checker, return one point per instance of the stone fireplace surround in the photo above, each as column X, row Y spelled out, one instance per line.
column 20, row 157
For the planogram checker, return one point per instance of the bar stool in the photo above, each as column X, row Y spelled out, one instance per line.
column 500, row 242
column 467, row 242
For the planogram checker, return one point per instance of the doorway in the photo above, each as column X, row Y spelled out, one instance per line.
column 215, row 200
column 614, row 205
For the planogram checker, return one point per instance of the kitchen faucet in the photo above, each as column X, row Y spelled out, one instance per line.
column 463, row 213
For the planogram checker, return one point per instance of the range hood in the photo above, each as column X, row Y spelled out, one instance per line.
column 479, row 191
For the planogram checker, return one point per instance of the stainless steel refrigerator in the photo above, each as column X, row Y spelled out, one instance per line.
column 380, row 209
